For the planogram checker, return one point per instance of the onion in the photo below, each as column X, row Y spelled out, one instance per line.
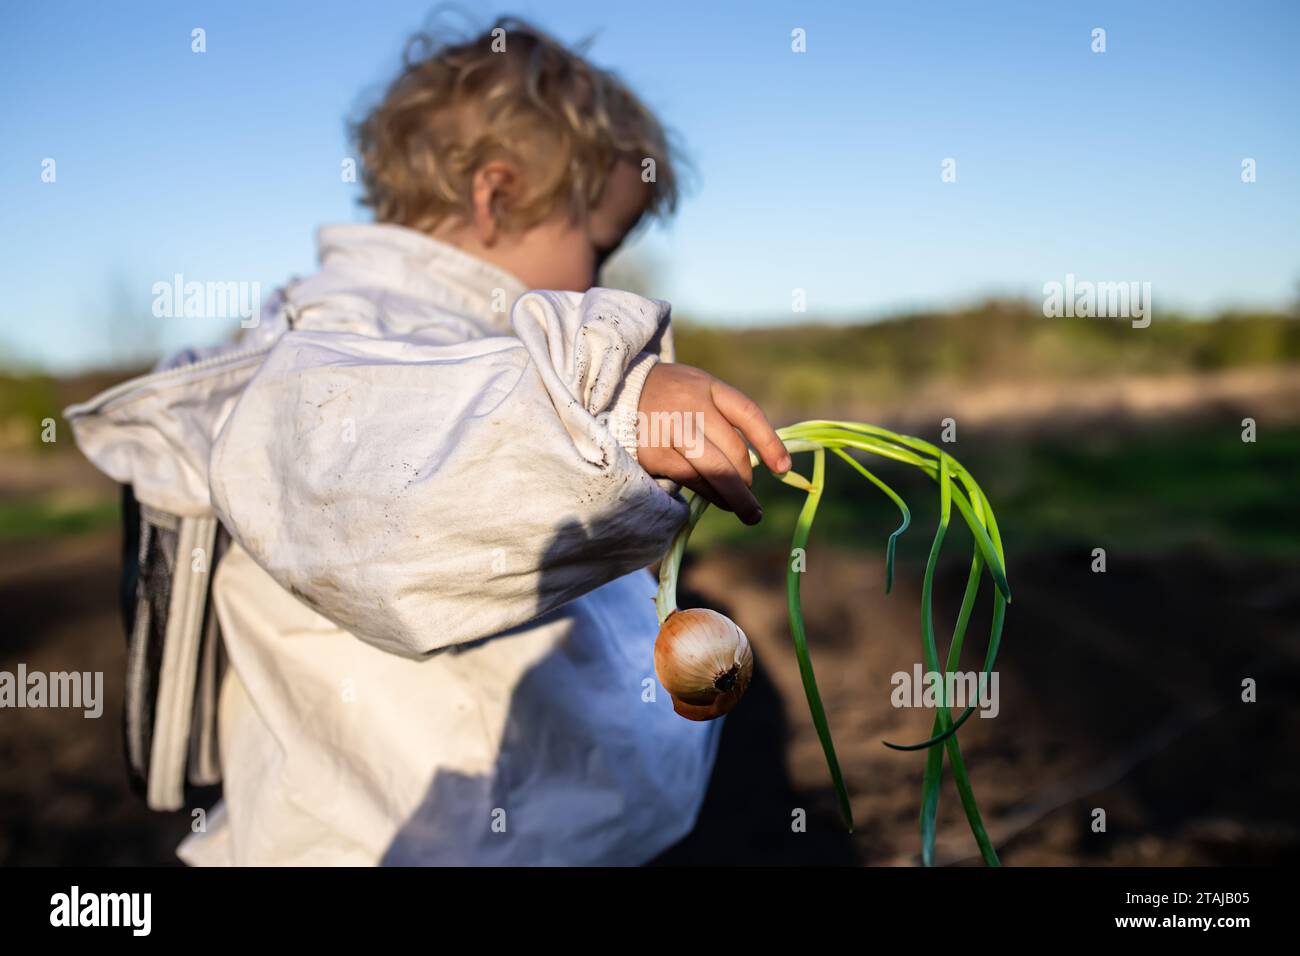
column 704, row 661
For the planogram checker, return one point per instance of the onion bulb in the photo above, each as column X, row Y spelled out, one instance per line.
column 704, row 661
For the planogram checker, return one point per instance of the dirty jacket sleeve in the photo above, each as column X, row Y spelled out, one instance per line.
column 421, row 494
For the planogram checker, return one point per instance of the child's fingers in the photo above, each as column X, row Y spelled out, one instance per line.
column 743, row 412
column 701, row 488
column 723, row 434
column 715, row 468
column 676, row 468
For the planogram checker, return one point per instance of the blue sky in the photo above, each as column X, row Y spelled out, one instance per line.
column 818, row 171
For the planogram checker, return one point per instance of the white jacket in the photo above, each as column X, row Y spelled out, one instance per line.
column 438, row 621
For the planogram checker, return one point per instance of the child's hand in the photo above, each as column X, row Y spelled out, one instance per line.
column 694, row 424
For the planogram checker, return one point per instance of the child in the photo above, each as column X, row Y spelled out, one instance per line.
column 435, row 604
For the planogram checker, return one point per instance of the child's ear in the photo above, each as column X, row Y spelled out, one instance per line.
column 494, row 187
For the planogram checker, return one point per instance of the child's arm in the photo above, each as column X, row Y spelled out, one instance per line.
column 422, row 495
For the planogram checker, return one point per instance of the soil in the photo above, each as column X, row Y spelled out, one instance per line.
column 1118, row 691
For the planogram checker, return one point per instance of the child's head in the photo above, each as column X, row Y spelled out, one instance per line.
column 519, row 151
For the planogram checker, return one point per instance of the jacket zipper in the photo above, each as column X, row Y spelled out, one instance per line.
column 105, row 399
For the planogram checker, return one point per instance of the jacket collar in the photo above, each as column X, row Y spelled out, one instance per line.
column 410, row 263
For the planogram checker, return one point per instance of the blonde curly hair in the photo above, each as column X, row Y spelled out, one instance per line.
column 511, row 93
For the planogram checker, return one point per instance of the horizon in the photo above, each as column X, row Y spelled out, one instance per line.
column 1016, row 307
